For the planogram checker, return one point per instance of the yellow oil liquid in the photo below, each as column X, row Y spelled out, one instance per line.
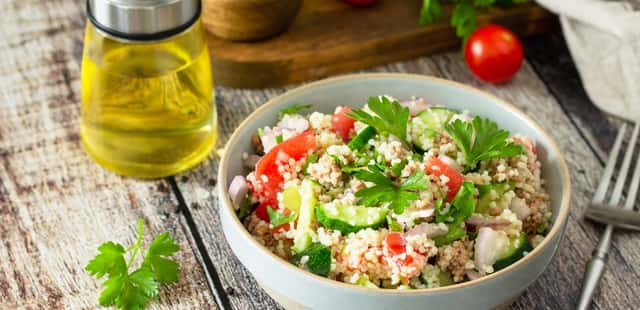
column 147, row 108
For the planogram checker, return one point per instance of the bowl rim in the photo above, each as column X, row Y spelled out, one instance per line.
column 555, row 229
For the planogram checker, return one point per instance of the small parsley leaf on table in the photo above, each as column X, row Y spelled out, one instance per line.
column 385, row 191
column 134, row 290
column 390, row 117
column 430, row 11
column 481, row 139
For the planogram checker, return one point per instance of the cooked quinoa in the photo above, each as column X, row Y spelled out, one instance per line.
column 397, row 195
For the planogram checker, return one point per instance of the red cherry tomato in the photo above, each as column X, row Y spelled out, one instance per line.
column 493, row 53
column 437, row 168
column 361, row 2
column 343, row 124
column 296, row 148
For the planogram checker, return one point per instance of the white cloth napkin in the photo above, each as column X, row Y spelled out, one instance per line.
column 604, row 40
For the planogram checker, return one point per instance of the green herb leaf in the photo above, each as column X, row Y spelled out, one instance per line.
column 276, row 218
column 464, row 18
column 294, row 109
column 109, row 262
column 319, row 261
column 484, row 3
column 461, row 208
column 481, row 139
column 163, row 246
column 279, row 139
column 385, row 191
column 312, row 159
column 430, row 11
column 390, row 117
column 134, row 290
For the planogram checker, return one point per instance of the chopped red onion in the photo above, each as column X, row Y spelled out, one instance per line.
column 481, row 221
column 472, row 274
column 238, row 190
column 489, row 245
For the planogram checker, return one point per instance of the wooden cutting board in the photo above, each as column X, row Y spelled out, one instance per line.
column 330, row 37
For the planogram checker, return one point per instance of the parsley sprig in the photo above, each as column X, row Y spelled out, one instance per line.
column 390, row 117
column 461, row 208
column 481, row 139
column 386, row 191
column 134, row 290
column 464, row 16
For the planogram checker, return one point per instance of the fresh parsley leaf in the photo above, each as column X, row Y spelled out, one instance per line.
column 110, row 261
column 156, row 259
column 279, row 139
column 397, row 168
column 481, row 139
column 390, row 117
column 461, row 208
column 319, row 259
column 385, row 191
column 294, row 109
column 430, row 11
column 134, row 290
column 247, row 207
column 276, row 218
column 464, row 18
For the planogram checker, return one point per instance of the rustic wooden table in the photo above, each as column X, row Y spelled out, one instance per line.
column 56, row 206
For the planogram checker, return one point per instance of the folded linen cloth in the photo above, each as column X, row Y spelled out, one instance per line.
column 604, row 40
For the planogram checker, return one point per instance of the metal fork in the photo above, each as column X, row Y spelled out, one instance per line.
column 596, row 265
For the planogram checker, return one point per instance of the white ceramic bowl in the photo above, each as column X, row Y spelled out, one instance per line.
column 299, row 289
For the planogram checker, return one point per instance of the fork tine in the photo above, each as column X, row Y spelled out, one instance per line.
column 633, row 187
column 624, row 169
column 608, row 170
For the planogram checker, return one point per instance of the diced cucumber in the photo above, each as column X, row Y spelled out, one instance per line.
column 433, row 276
column 291, row 198
column 362, row 138
column 363, row 280
column 318, row 259
column 302, row 238
column 348, row 219
column 516, row 249
column 428, row 123
column 484, row 194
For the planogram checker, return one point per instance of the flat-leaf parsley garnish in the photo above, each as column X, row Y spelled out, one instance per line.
column 461, row 208
column 385, row 191
column 134, row 290
column 390, row 117
column 481, row 139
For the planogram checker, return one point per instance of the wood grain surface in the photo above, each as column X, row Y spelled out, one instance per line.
column 330, row 37
column 56, row 206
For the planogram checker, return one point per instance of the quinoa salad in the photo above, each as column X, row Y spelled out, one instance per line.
column 395, row 194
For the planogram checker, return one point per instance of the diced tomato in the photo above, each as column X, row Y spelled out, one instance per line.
column 261, row 211
column 396, row 246
column 343, row 124
column 395, row 243
column 296, row 147
column 437, row 168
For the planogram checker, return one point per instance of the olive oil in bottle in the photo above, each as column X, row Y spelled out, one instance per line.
column 147, row 105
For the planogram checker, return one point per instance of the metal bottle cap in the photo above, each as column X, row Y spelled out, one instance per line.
column 143, row 19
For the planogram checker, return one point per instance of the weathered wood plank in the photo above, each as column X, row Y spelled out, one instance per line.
column 558, row 288
column 56, row 206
